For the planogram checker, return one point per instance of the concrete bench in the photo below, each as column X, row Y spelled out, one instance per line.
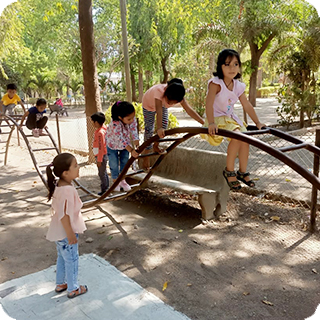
column 195, row 172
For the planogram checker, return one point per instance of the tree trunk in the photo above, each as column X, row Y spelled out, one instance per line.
column 123, row 11
column 301, row 122
column 253, row 77
column 90, row 76
column 164, row 70
column 140, row 84
column 133, row 85
column 148, row 75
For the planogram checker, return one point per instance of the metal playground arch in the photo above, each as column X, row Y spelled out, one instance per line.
column 173, row 142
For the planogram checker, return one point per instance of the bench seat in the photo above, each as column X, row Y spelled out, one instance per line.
column 197, row 172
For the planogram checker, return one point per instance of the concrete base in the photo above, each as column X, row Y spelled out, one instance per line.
column 111, row 296
column 197, row 172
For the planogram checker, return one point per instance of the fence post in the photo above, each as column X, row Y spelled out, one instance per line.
column 314, row 194
column 58, row 131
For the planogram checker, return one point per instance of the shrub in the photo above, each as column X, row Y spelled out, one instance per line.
column 265, row 92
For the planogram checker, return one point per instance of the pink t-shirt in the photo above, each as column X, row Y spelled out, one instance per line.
column 155, row 92
column 65, row 200
column 224, row 101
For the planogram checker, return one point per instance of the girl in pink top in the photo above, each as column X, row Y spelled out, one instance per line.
column 122, row 138
column 66, row 222
column 223, row 92
column 156, row 101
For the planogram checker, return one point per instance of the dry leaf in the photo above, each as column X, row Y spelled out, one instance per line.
column 165, row 285
column 275, row 218
column 246, row 293
column 315, row 271
column 180, row 230
column 288, row 180
column 267, row 302
column 101, row 231
column 189, row 284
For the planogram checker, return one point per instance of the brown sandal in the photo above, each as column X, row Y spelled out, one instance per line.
column 242, row 175
column 234, row 185
column 61, row 287
column 81, row 290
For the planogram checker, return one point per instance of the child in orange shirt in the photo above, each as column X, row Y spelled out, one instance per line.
column 100, row 149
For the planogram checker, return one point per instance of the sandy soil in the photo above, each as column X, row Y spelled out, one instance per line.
column 257, row 262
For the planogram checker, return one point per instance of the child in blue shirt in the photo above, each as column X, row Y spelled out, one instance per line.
column 36, row 120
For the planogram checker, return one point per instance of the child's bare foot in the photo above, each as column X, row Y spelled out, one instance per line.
column 78, row 292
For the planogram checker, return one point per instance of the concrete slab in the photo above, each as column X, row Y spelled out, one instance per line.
column 111, row 295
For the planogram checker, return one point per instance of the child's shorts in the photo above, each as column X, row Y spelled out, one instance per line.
column 225, row 123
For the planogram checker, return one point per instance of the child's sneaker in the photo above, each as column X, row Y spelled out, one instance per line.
column 125, row 185
column 35, row 132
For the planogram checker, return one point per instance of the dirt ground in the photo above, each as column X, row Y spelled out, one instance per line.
column 257, row 262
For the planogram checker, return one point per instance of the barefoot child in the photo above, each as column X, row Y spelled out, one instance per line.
column 66, row 222
column 36, row 120
column 122, row 138
column 156, row 101
column 99, row 148
column 223, row 92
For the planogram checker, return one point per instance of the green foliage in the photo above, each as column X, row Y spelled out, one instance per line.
column 265, row 92
column 173, row 122
column 288, row 110
column 193, row 68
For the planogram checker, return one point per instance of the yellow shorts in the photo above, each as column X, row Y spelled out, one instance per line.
column 225, row 123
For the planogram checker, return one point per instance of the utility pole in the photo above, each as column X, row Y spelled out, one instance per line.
column 123, row 11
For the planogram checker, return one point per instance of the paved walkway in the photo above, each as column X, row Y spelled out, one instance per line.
column 111, row 296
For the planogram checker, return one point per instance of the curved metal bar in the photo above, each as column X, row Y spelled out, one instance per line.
column 7, row 146
column 104, row 197
column 30, row 150
column 192, row 131
column 189, row 132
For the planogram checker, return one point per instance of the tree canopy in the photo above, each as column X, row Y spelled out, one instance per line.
column 178, row 38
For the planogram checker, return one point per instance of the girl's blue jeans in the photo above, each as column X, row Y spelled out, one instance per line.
column 67, row 264
column 117, row 161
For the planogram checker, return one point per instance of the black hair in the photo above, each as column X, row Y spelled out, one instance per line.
column 121, row 109
column 99, row 117
column 11, row 86
column 175, row 90
column 222, row 57
column 41, row 102
column 60, row 164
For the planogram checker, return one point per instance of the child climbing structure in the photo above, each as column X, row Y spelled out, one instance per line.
column 172, row 141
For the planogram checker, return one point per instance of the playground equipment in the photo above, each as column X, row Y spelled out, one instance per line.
column 172, row 142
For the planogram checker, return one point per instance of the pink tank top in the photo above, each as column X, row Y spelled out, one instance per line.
column 224, row 101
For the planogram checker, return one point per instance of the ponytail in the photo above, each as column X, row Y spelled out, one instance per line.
column 51, row 181
column 60, row 164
